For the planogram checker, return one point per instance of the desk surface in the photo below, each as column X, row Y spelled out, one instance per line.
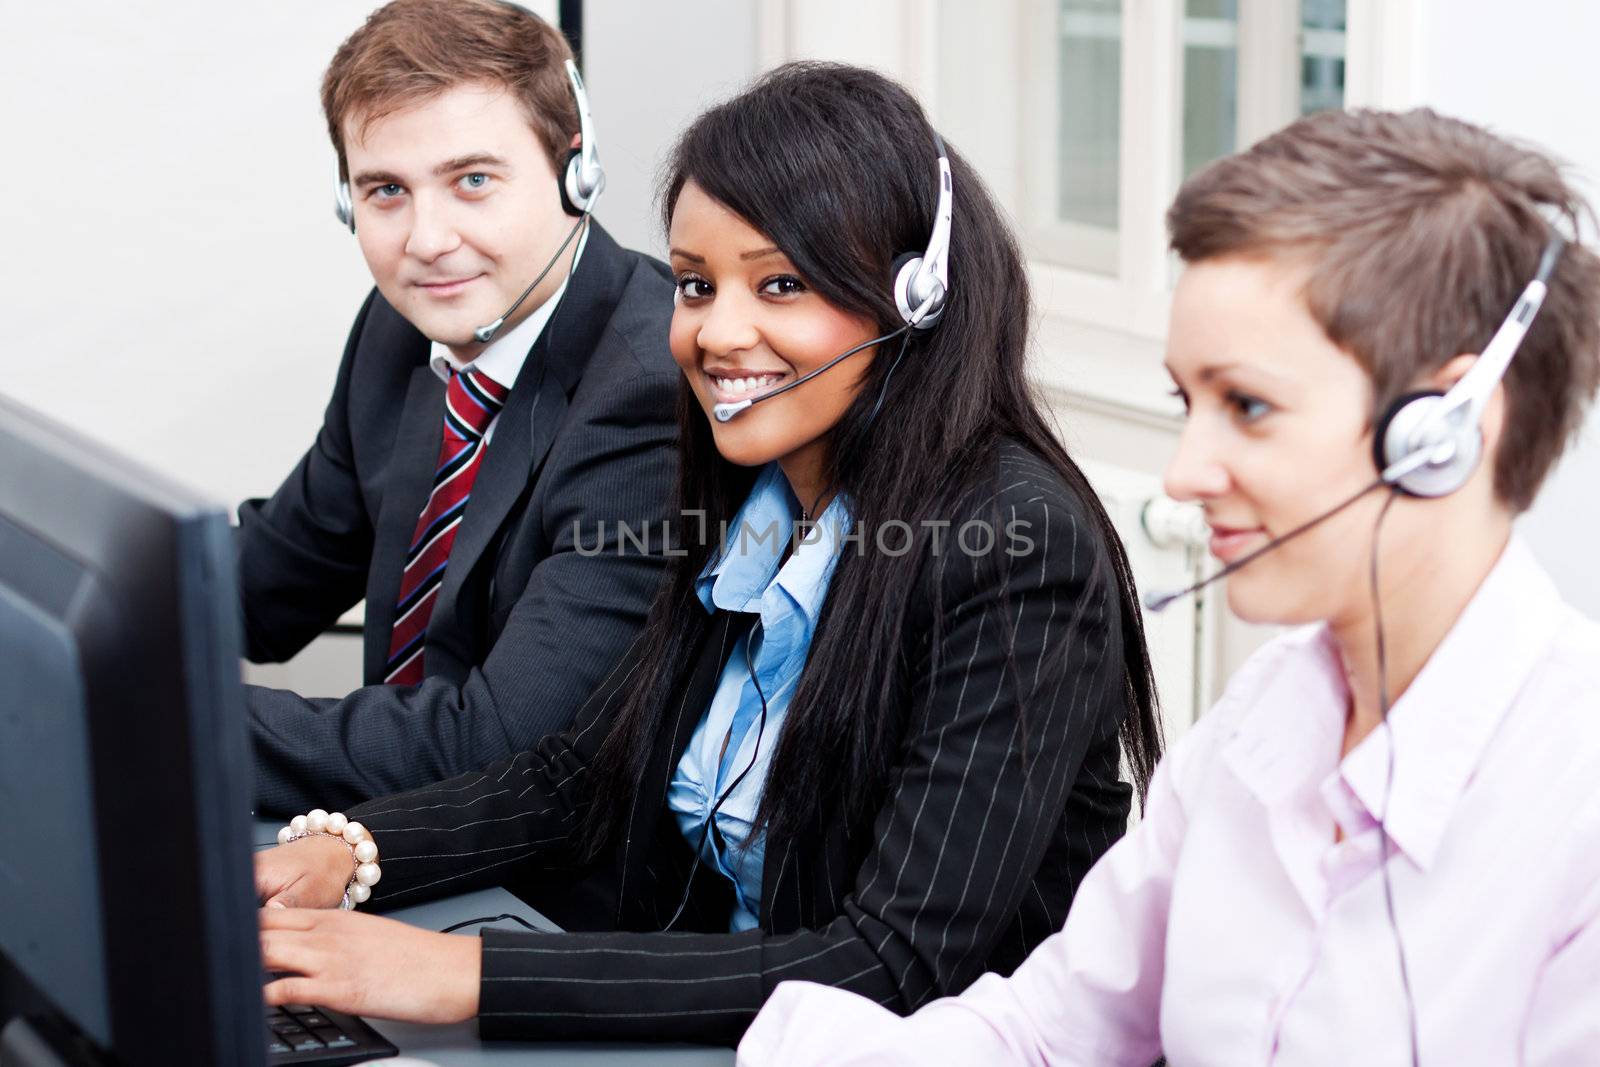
column 459, row 1045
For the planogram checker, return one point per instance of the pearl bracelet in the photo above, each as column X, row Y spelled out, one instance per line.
column 363, row 849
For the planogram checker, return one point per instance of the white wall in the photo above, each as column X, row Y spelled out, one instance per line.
column 174, row 281
column 650, row 68
column 1528, row 69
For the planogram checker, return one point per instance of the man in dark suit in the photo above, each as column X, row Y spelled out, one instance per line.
column 454, row 481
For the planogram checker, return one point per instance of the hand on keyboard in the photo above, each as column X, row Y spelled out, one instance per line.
column 369, row 965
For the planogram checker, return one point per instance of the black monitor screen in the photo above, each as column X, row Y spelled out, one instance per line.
column 127, row 915
column 49, row 874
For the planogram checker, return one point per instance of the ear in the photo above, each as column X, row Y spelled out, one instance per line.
column 1451, row 373
column 577, row 141
column 1494, row 411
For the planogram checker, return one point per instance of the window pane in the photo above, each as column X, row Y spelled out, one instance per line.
column 1322, row 52
column 1210, row 81
column 1090, row 94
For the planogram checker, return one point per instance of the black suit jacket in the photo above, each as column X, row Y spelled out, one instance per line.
column 969, row 864
column 525, row 625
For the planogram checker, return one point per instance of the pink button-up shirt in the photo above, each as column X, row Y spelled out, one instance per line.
column 1230, row 928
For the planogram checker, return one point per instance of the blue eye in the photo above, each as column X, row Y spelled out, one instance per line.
column 783, row 285
column 1247, row 408
column 388, row 191
column 474, row 181
column 692, row 287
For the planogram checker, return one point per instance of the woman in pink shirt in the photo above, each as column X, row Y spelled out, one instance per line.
column 1382, row 845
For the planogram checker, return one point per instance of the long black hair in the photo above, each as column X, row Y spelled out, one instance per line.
column 836, row 165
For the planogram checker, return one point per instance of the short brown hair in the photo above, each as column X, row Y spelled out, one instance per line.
column 1420, row 231
column 410, row 50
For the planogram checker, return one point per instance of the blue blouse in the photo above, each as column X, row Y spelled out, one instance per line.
column 747, row 577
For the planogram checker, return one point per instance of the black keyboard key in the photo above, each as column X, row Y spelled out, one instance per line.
column 333, row 1038
column 301, row 1034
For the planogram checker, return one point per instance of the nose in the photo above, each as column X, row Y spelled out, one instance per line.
column 433, row 230
column 1195, row 472
column 727, row 327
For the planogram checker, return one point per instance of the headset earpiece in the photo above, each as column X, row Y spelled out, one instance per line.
column 1429, row 443
column 921, row 283
column 582, row 177
column 343, row 207
column 1418, row 421
column 913, row 289
column 577, row 195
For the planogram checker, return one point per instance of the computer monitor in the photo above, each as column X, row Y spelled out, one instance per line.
column 127, row 911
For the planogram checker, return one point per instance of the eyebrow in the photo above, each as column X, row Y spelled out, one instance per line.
column 1211, row 370
column 759, row 253
column 375, row 177
column 385, row 177
column 471, row 159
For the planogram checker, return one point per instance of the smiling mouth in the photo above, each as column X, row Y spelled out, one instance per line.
column 1229, row 543
column 730, row 389
column 446, row 288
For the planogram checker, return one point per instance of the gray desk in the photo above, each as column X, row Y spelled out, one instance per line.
column 459, row 1046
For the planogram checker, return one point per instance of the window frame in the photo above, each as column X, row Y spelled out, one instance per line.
column 967, row 64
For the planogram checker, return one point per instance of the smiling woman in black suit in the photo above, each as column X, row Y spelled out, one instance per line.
column 880, row 754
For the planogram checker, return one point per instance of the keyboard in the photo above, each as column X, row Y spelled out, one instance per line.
column 298, row 1033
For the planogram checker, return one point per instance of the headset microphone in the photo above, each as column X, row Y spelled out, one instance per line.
column 485, row 334
column 1159, row 601
column 582, row 182
column 1427, row 444
column 725, row 412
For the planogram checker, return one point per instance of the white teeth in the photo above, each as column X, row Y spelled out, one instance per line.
column 745, row 385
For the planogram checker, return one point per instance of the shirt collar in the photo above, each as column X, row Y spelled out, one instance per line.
column 502, row 358
column 1288, row 735
column 747, row 567
column 1442, row 723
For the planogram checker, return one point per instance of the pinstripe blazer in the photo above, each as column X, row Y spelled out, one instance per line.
column 969, row 864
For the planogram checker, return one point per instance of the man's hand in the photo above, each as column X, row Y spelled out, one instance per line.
column 309, row 873
column 369, row 965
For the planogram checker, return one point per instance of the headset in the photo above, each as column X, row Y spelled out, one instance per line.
column 921, row 287
column 582, row 182
column 1428, row 443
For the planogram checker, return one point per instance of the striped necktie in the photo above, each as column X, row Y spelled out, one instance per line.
column 471, row 402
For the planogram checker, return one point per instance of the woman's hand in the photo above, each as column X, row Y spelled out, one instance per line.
column 309, row 873
column 369, row 965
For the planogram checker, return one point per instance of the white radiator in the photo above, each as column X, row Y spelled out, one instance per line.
column 1166, row 545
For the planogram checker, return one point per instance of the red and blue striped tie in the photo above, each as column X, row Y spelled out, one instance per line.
column 470, row 403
